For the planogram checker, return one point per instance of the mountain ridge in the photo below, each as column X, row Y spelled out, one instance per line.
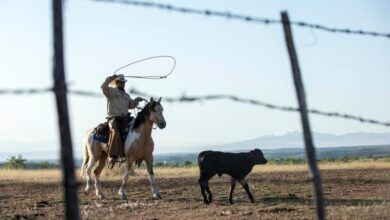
column 294, row 139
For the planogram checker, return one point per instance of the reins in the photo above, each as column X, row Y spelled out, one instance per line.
column 122, row 160
column 139, row 108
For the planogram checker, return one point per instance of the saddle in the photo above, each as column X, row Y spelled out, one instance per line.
column 102, row 132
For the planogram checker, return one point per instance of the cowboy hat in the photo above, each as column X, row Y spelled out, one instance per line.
column 120, row 77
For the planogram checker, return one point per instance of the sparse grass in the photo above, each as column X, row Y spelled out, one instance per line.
column 167, row 172
column 380, row 211
column 30, row 175
column 353, row 190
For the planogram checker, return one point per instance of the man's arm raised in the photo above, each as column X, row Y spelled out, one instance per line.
column 105, row 84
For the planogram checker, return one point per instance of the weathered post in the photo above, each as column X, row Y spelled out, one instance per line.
column 60, row 90
column 310, row 150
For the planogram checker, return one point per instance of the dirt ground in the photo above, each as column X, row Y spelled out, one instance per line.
column 349, row 194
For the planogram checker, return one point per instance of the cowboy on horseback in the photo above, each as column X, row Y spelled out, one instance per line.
column 118, row 116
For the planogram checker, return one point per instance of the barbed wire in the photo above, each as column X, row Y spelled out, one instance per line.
column 243, row 18
column 185, row 98
column 24, row 91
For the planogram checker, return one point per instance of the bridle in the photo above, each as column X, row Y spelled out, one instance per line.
column 139, row 108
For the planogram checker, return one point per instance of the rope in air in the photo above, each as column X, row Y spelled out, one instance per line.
column 149, row 77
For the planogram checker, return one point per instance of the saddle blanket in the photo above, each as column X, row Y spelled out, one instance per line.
column 101, row 138
column 104, row 138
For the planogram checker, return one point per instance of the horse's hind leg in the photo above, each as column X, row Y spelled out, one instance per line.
column 91, row 163
column 121, row 192
column 153, row 184
column 97, row 172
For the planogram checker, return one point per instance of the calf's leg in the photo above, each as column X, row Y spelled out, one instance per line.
column 204, row 186
column 246, row 187
column 203, row 191
column 232, row 186
column 209, row 192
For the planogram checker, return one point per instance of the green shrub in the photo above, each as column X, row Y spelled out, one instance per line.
column 47, row 165
column 16, row 162
column 329, row 159
column 187, row 163
column 349, row 158
column 290, row 160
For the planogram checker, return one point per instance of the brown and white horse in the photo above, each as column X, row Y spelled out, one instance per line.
column 138, row 147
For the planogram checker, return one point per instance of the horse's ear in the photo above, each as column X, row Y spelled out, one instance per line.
column 151, row 99
column 159, row 100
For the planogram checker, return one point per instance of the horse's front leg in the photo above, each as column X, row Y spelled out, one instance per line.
column 153, row 185
column 121, row 191
column 97, row 172
column 90, row 165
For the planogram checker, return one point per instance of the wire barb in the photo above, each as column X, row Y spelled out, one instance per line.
column 212, row 97
column 185, row 98
column 244, row 18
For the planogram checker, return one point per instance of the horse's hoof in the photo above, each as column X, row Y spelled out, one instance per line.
column 101, row 196
column 87, row 191
column 157, row 196
column 123, row 196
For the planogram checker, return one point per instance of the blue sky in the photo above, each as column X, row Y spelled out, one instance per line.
column 344, row 73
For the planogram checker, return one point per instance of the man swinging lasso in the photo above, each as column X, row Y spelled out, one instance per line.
column 118, row 116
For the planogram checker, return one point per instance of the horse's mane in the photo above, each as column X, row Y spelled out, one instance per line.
column 142, row 115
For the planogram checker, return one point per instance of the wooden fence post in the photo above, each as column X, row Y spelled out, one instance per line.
column 68, row 172
column 310, row 150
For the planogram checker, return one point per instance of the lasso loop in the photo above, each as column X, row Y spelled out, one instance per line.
column 150, row 77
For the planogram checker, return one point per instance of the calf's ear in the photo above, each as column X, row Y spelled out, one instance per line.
column 256, row 151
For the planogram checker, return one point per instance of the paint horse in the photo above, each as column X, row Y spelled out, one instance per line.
column 138, row 147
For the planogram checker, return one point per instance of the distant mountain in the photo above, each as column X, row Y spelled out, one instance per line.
column 326, row 152
column 297, row 153
column 276, row 146
column 295, row 140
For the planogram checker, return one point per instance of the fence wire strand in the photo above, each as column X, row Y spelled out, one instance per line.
column 213, row 97
column 244, row 18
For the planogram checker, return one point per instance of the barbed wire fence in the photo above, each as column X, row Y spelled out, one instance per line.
column 60, row 89
column 243, row 18
column 203, row 98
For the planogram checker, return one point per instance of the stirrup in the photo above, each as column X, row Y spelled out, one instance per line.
column 111, row 162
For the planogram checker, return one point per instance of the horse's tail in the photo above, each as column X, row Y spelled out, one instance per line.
column 85, row 158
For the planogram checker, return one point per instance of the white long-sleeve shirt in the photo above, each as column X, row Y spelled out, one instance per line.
column 118, row 101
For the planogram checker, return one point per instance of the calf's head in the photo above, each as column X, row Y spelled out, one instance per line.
column 258, row 156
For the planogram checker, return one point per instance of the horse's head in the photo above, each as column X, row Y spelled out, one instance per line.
column 156, row 113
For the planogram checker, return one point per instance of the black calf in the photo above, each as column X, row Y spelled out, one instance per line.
column 237, row 165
